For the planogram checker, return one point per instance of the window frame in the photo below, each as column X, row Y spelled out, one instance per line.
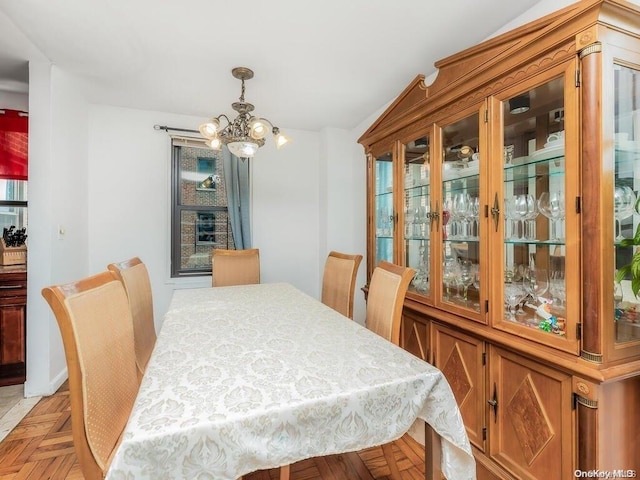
column 177, row 210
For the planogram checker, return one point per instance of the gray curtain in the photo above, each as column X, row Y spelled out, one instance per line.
column 236, row 180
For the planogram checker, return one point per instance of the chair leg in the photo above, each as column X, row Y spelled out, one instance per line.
column 387, row 449
column 284, row 472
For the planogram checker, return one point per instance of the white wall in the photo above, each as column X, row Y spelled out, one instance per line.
column 285, row 211
column 14, row 101
column 343, row 214
column 57, row 196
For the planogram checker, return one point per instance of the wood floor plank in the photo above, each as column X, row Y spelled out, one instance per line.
column 41, row 447
column 358, row 466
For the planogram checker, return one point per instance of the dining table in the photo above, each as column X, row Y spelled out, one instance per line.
column 253, row 377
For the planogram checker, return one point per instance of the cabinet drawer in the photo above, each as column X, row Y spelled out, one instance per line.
column 13, row 285
column 13, row 290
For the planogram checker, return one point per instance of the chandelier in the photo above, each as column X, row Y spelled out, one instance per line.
column 246, row 133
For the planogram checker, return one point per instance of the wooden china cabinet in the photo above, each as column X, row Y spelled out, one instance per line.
column 509, row 184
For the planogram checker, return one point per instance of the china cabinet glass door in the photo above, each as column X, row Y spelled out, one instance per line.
column 533, row 202
column 383, row 208
column 460, row 196
column 417, row 213
column 625, row 216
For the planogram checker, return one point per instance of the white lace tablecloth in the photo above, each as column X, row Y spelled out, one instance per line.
column 254, row 377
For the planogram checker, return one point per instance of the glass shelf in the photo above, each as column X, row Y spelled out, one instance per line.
column 517, row 241
column 529, row 171
column 384, row 194
column 462, row 240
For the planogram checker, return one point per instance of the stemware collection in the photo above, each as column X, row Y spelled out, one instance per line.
column 529, row 286
column 459, row 275
column 463, row 212
column 522, row 210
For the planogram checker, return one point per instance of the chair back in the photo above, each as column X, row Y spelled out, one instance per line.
column 387, row 289
column 97, row 331
column 339, row 281
column 235, row 267
column 134, row 276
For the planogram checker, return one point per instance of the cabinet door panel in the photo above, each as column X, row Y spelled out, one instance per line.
column 625, row 191
column 530, row 428
column 384, row 213
column 459, row 357
column 536, row 217
column 414, row 336
column 461, row 216
column 416, row 212
column 12, row 335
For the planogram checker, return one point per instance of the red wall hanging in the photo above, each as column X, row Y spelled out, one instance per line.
column 14, row 142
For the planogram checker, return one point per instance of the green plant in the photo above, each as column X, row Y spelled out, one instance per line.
column 632, row 268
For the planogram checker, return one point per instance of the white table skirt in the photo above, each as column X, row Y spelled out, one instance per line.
column 254, row 377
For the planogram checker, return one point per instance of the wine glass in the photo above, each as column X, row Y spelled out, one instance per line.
column 617, row 294
column 461, row 205
column 449, row 275
column 536, row 282
column 408, row 221
column 476, row 285
column 509, row 219
column 551, row 205
column 466, row 277
column 513, row 295
column 422, row 220
column 446, row 219
column 557, row 287
column 624, row 201
column 520, row 210
column 532, row 213
column 475, row 210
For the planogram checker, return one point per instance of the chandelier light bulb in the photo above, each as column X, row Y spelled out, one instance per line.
column 281, row 139
column 210, row 129
column 259, row 128
column 214, row 143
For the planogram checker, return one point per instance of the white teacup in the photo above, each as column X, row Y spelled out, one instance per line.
column 556, row 137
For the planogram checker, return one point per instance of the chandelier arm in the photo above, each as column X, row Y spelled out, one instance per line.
column 222, row 115
column 274, row 130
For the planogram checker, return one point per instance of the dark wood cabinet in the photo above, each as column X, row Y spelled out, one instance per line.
column 13, row 306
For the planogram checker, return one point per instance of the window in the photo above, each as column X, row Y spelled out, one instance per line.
column 199, row 217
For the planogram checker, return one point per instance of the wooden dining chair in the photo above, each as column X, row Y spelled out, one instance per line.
column 135, row 277
column 235, row 267
column 339, row 281
column 387, row 289
column 97, row 332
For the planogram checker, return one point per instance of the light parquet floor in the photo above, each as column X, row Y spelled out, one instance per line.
column 41, row 447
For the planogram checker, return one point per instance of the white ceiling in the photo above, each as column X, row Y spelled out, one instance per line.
column 317, row 64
